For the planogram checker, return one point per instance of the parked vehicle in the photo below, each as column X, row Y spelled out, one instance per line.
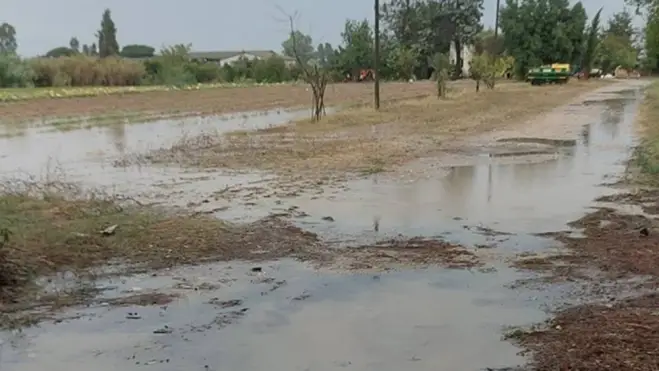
column 557, row 73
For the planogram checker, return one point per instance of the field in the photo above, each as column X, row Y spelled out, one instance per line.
column 431, row 223
column 209, row 100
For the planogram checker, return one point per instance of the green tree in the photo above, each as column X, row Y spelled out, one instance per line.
column 616, row 51
column 137, row 51
column 576, row 32
column 403, row 60
column 107, row 36
column 85, row 49
column 298, row 45
column 427, row 27
column 74, row 44
column 652, row 40
column 592, row 43
column 8, row 42
column 61, row 51
column 93, row 50
column 324, row 54
column 356, row 51
column 542, row 31
column 466, row 19
column 621, row 25
column 485, row 42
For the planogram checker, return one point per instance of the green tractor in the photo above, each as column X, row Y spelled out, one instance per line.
column 557, row 73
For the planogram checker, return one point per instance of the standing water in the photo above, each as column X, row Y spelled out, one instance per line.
column 290, row 317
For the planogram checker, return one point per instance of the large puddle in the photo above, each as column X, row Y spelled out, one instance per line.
column 290, row 317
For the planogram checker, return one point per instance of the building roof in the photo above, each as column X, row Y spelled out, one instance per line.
column 219, row 55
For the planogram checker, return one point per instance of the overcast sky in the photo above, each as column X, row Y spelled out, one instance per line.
column 208, row 24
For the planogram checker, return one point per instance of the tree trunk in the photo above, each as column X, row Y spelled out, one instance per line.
column 458, row 59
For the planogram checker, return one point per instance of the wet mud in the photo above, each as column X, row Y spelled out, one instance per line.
column 392, row 307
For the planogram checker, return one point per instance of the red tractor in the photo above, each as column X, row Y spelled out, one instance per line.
column 360, row 76
column 366, row 75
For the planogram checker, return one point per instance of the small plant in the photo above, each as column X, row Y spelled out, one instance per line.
column 442, row 66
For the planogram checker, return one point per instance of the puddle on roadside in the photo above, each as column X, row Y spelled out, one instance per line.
column 528, row 197
column 296, row 319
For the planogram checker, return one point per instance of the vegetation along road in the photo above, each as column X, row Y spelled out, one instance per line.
column 253, row 211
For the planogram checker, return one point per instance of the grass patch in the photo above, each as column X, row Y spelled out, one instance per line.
column 349, row 140
column 53, row 227
column 646, row 156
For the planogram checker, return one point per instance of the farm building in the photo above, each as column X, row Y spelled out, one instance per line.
column 228, row 57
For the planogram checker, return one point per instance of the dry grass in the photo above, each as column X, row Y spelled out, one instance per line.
column 620, row 337
column 361, row 140
column 48, row 229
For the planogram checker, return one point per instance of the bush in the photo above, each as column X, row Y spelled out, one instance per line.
column 271, row 70
column 204, row 72
column 83, row 70
column 15, row 72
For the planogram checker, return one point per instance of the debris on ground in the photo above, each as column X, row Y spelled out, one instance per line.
column 620, row 336
column 403, row 252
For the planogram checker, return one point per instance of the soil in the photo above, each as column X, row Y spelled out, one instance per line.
column 59, row 234
column 617, row 335
column 366, row 142
column 401, row 253
column 208, row 101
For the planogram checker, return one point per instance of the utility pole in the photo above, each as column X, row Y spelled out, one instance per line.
column 496, row 20
column 376, row 55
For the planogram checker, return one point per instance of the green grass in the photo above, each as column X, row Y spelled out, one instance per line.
column 646, row 157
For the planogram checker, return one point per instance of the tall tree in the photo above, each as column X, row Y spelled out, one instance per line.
column 621, row 24
column 424, row 27
column 8, row 42
column 652, row 40
column 298, row 44
column 137, row 51
column 542, row 31
column 74, row 44
column 576, row 32
column 107, row 36
column 592, row 42
column 466, row 18
column 356, row 52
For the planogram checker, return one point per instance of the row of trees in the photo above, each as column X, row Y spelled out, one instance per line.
column 415, row 41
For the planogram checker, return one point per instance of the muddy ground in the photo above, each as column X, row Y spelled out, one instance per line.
column 426, row 251
column 207, row 101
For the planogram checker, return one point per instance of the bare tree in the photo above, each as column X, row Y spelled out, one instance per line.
column 313, row 74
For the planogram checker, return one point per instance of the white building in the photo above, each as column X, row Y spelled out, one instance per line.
column 229, row 57
column 467, row 55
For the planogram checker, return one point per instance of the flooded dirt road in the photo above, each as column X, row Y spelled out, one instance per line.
column 288, row 316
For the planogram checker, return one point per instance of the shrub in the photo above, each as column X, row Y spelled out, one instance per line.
column 83, row 70
column 204, row 72
column 271, row 70
column 15, row 72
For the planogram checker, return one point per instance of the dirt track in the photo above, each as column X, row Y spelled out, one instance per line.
column 221, row 100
